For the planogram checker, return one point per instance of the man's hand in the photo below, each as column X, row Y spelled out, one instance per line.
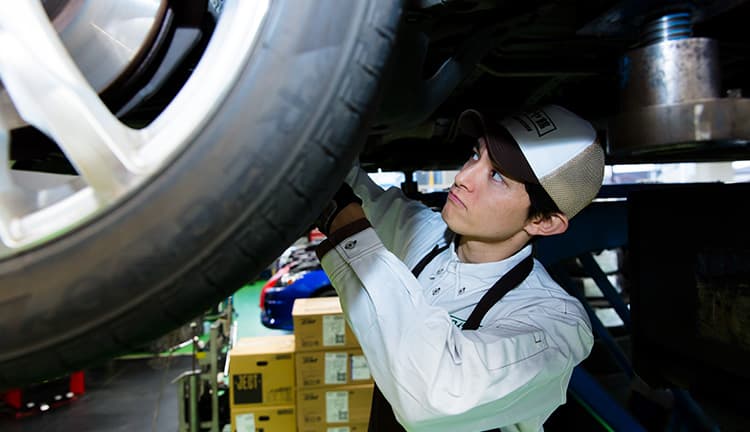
column 329, row 220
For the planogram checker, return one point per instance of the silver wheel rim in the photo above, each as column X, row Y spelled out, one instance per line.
column 46, row 88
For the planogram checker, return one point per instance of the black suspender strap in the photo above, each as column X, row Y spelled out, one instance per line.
column 427, row 258
column 510, row 280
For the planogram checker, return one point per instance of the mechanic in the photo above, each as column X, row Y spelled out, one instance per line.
column 445, row 351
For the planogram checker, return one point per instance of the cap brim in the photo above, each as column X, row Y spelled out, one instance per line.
column 503, row 149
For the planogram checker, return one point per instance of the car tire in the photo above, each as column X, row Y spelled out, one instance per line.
column 246, row 186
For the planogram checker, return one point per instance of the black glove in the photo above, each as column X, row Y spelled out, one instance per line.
column 344, row 196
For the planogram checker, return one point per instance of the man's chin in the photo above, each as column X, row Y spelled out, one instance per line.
column 449, row 219
column 443, row 213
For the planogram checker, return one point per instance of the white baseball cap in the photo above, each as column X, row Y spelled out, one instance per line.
column 549, row 146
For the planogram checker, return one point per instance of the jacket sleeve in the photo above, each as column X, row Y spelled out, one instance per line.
column 437, row 377
column 397, row 219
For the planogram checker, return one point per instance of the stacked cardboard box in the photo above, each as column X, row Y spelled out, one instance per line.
column 334, row 385
column 315, row 380
column 262, row 384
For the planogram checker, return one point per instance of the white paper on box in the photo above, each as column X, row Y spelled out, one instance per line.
column 337, row 406
column 360, row 370
column 338, row 429
column 335, row 368
column 245, row 422
column 333, row 330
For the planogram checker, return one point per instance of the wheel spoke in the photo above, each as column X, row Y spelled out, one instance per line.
column 50, row 93
column 44, row 63
column 6, row 188
column 27, row 214
column 12, row 200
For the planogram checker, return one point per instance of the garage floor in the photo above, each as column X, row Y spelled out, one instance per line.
column 130, row 395
column 127, row 395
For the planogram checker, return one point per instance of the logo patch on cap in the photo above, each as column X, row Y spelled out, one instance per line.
column 541, row 121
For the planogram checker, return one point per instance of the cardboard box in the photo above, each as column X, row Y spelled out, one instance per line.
column 348, row 427
column 331, row 367
column 319, row 324
column 261, row 371
column 264, row 419
column 322, row 407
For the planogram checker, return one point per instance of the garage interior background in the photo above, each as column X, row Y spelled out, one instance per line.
column 674, row 308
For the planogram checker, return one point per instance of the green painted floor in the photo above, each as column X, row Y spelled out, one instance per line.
column 247, row 319
column 246, row 304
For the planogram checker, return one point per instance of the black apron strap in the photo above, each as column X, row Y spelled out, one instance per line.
column 510, row 280
column 417, row 270
column 382, row 418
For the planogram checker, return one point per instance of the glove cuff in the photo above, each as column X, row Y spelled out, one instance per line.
column 343, row 197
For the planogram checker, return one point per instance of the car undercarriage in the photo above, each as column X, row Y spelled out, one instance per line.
column 663, row 81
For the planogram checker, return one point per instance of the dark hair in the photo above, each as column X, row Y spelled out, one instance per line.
column 541, row 203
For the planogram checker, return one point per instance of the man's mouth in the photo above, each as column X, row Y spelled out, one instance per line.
column 455, row 199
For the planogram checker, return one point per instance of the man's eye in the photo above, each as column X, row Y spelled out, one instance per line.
column 497, row 176
column 474, row 155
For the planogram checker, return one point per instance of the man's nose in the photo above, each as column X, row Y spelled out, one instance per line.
column 466, row 177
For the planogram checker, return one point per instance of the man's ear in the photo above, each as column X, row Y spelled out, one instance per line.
column 557, row 223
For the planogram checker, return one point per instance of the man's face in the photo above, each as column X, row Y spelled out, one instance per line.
column 483, row 204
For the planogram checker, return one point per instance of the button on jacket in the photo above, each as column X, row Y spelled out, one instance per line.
column 511, row 373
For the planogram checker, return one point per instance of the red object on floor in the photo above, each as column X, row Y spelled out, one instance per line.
column 13, row 398
column 44, row 396
column 77, row 383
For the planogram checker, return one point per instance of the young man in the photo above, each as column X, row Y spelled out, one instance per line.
column 461, row 328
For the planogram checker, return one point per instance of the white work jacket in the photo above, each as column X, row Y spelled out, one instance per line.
column 512, row 372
